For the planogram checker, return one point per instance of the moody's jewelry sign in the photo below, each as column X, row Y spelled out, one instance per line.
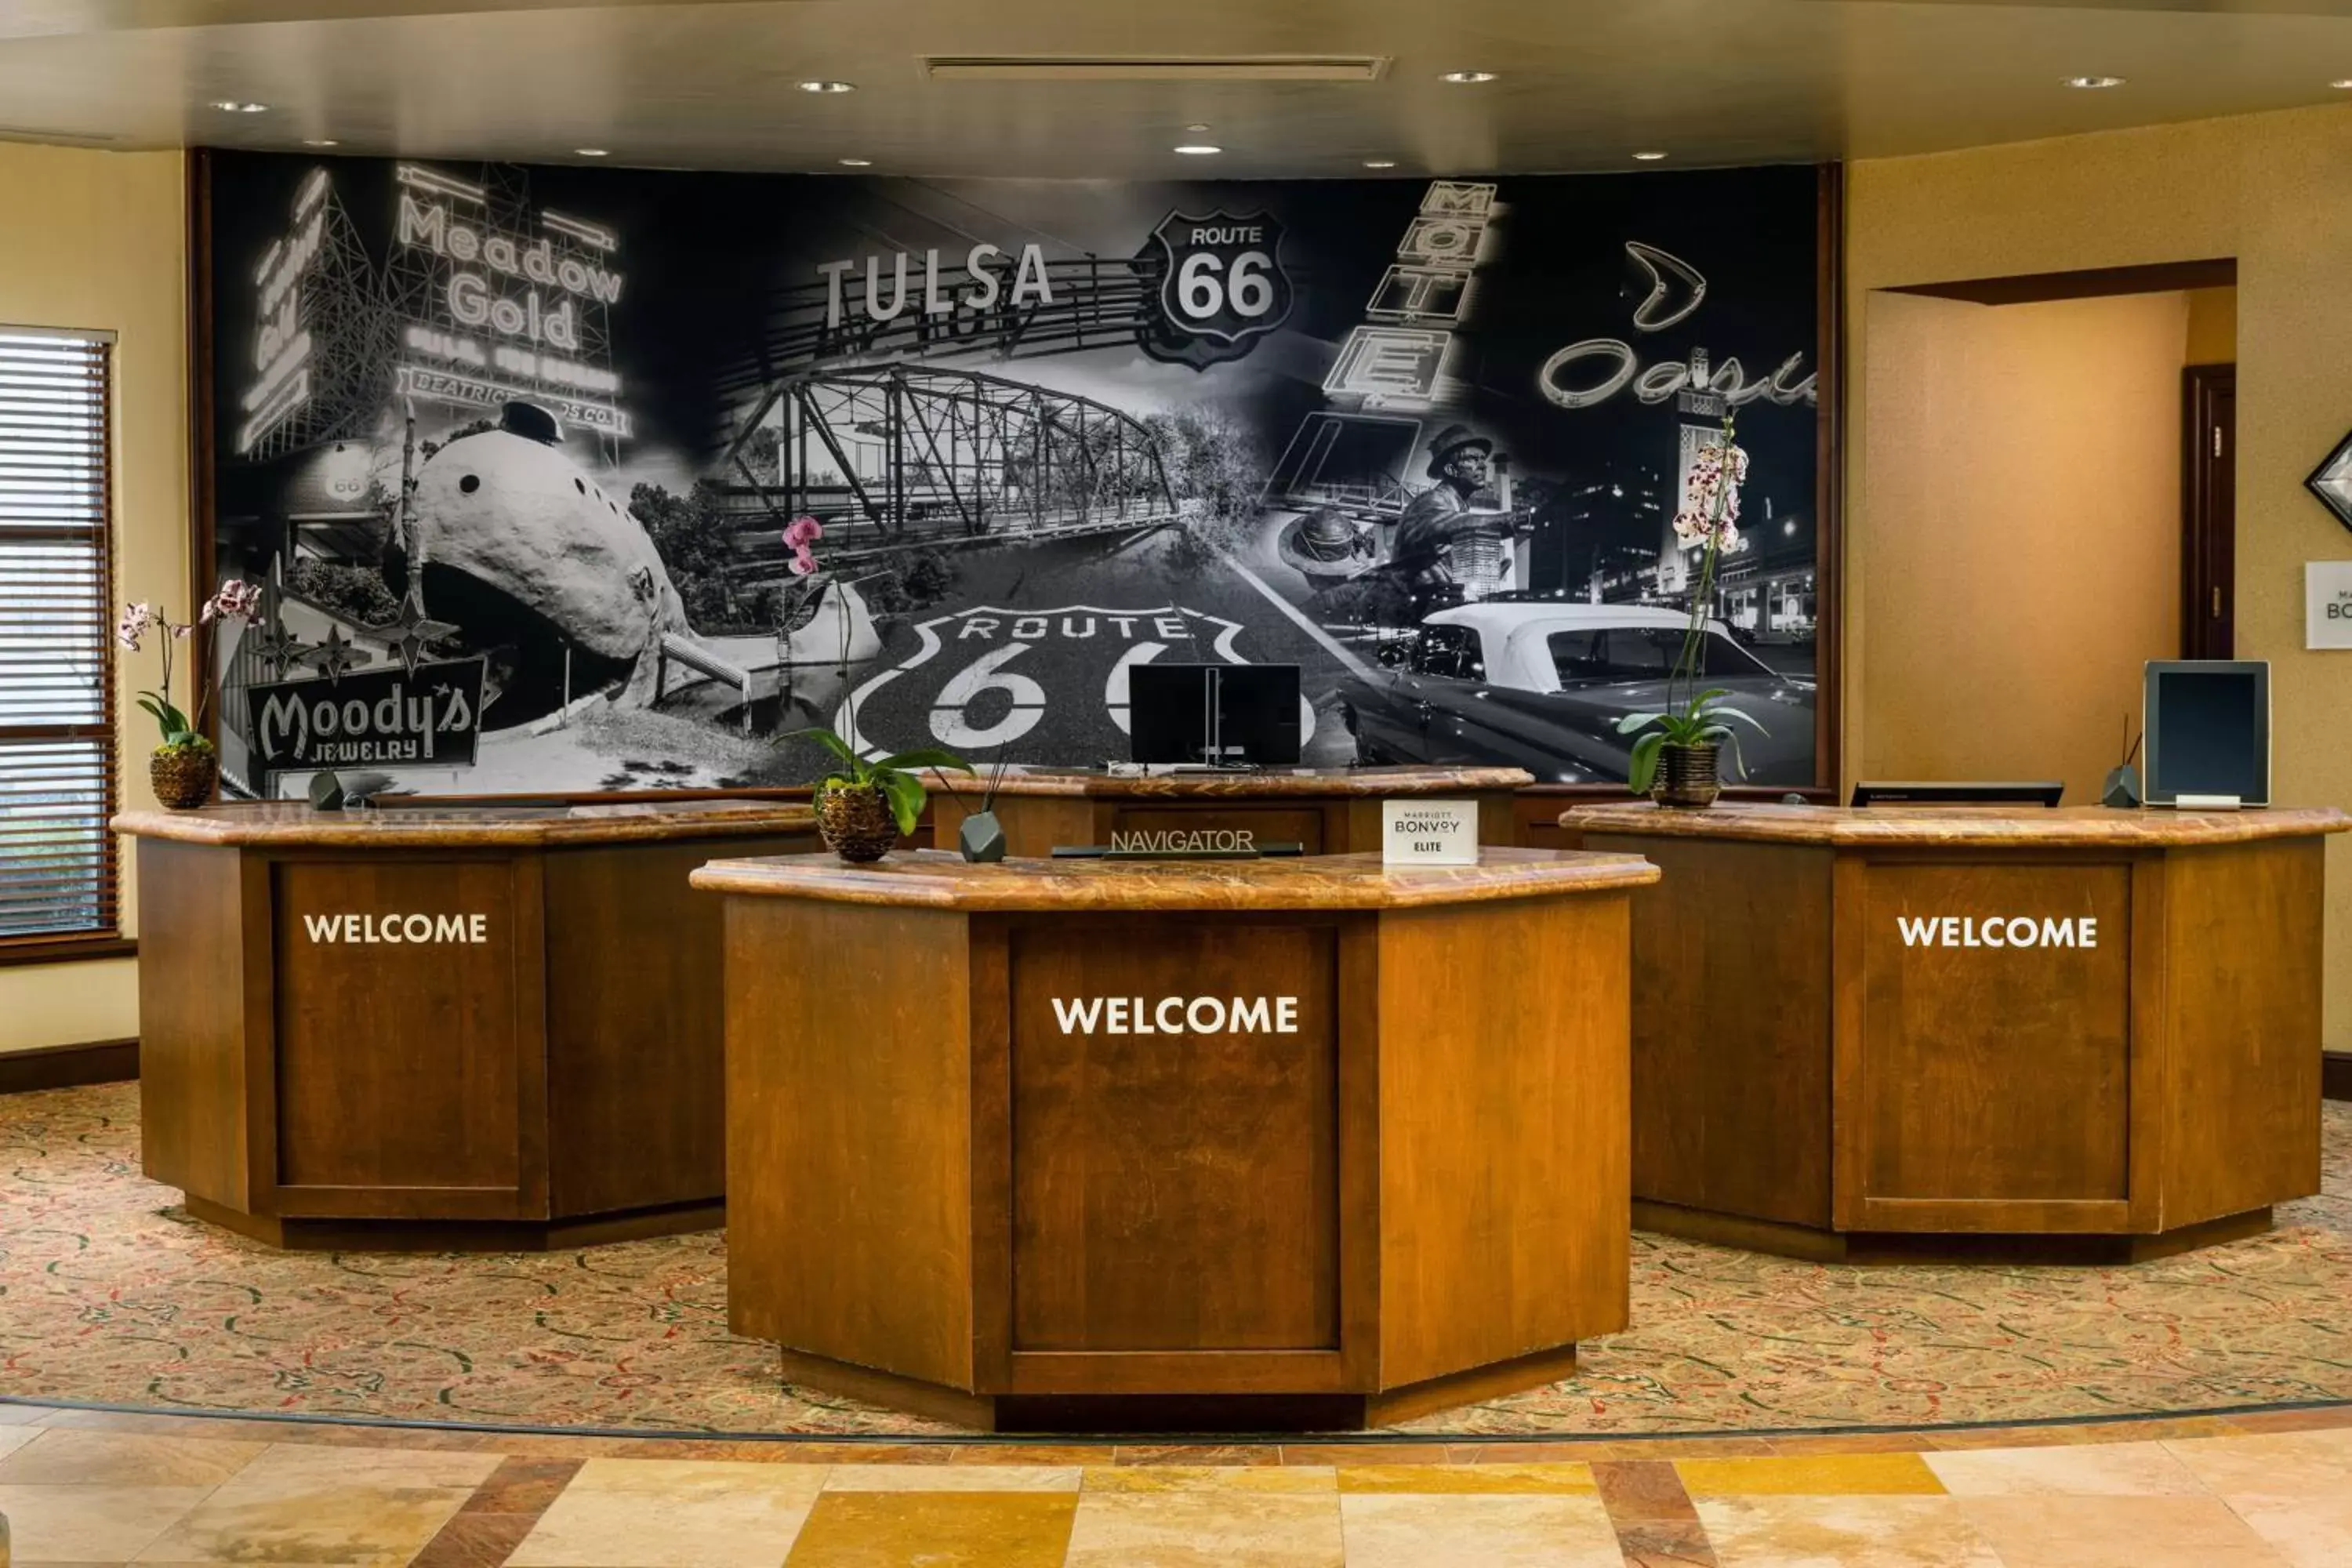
column 430, row 716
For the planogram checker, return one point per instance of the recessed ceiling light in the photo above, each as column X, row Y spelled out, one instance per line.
column 828, row 87
column 1196, row 128
column 2343, row 84
column 589, row 152
column 2092, row 83
column 1647, row 157
column 232, row 106
column 321, row 141
column 857, row 162
column 1198, row 150
column 1380, row 163
column 1467, row 78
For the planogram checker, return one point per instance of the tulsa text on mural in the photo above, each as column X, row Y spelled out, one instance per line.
column 983, row 264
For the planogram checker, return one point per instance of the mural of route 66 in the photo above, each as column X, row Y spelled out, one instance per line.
column 1424, row 438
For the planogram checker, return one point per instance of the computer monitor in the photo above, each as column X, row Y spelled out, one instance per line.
column 2207, row 728
column 1937, row 791
column 1213, row 713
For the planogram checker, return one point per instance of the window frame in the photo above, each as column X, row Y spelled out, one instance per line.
column 106, row 940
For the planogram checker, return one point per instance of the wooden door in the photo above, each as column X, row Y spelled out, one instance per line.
column 2209, row 511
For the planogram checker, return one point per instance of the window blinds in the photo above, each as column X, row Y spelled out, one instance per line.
column 57, row 708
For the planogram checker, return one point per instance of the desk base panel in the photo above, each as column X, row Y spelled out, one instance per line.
column 1941, row 1247
column 305, row 1234
column 1162, row 1413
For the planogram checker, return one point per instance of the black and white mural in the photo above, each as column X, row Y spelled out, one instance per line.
column 516, row 451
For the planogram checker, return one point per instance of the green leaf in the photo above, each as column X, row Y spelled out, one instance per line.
column 923, row 757
column 1633, row 722
column 1644, row 762
column 905, row 794
column 1735, row 713
column 855, row 770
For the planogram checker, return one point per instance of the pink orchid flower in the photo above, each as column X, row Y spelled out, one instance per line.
column 802, row 532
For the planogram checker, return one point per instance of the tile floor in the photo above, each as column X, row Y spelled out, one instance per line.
column 2270, row 1490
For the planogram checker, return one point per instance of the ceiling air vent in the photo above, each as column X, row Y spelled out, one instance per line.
column 1154, row 68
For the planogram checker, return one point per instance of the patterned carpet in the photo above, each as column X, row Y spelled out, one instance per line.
column 110, row 1294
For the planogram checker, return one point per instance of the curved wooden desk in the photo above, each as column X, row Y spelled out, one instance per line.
column 1090, row 1145
column 1853, row 1030
column 479, row 1026
column 1331, row 811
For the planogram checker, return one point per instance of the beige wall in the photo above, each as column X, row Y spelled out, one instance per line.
column 2024, row 482
column 2266, row 189
column 97, row 239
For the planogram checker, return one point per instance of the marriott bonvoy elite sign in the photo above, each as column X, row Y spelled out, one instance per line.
column 1429, row 832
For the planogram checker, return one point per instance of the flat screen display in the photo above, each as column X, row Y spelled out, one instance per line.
column 1232, row 713
column 2208, row 730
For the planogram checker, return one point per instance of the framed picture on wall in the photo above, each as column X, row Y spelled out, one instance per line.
column 1425, row 439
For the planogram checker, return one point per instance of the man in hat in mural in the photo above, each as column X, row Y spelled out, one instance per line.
column 1443, row 546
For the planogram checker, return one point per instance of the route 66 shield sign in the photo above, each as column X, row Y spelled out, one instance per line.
column 1222, row 281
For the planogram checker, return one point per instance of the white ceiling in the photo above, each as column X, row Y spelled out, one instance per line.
column 1583, row 83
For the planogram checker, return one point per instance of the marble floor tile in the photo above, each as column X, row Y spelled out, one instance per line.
column 522, row 1486
column 2100, row 1469
column 88, row 1523
column 674, row 1513
column 1832, row 1475
column 2117, row 1532
column 2305, row 1532
column 1642, row 1492
column 1570, row 1480
column 2275, row 1464
column 68, row 1455
column 952, row 1478
column 473, row 1539
column 304, row 1502
column 1210, row 1478
column 1222, row 1529
column 13, row 1437
column 1470, row 1531
column 306, row 1468
column 1665, row 1543
column 935, row 1530
column 1798, row 1531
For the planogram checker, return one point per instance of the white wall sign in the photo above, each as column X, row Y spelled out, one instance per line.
column 1429, row 832
column 2328, row 604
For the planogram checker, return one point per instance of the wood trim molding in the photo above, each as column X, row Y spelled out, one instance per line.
column 2026, row 288
column 67, row 949
column 2335, row 1075
column 68, row 1066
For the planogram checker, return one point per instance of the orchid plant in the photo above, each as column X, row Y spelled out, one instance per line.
column 896, row 778
column 1708, row 522
column 234, row 601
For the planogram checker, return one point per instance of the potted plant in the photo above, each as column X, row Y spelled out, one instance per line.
column 1678, row 759
column 862, row 807
column 184, row 768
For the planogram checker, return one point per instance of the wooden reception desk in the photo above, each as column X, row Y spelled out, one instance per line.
column 1855, row 1028
column 1331, row 811
column 1099, row 1143
column 487, row 1027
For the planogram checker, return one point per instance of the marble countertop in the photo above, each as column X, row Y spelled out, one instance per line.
column 1269, row 783
column 936, row 879
column 2080, row 826
column 286, row 824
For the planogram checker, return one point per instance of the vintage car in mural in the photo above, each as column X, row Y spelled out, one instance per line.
column 1541, row 686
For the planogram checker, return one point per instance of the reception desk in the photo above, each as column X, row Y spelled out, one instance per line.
column 1266, row 1143
column 1856, row 1029
column 479, row 1026
column 1330, row 811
